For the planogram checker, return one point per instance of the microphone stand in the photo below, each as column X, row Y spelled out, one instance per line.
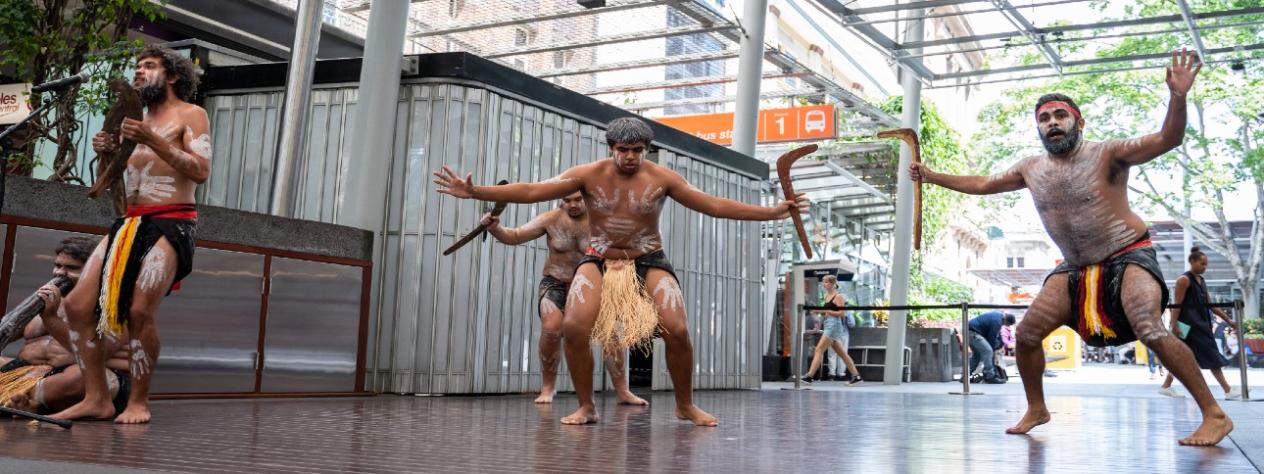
column 5, row 147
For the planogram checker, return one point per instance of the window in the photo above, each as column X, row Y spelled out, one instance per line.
column 1020, row 263
column 562, row 59
column 1009, row 262
column 455, row 7
column 521, row 37
column 520, row 65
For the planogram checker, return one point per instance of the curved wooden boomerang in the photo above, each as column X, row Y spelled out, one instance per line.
column 500, row 207
column 910, row 137
column 110, row 166
column 783, row 176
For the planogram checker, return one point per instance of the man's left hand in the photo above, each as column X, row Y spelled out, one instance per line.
column 1181, row 74
column 799, row 205
column 138, row 132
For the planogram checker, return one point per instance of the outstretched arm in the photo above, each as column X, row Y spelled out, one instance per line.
column 714, row 206
column 1180, row 78
column 556, row 188
column 532, row 230
column 1005, row 181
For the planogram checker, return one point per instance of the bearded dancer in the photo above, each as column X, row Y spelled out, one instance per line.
column 148, row 252
column 1109, row 287
column 624, row 287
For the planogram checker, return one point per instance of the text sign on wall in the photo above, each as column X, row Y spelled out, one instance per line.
column 812, row 122
column 14, row 102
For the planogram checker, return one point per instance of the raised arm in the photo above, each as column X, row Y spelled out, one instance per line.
column 1180, row 78
column 532, row 230
column 693, row 198
column 1003, row 182
column 556, row 188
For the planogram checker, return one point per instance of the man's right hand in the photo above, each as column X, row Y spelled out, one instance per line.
column 452, row 185
column 50, row 294
column 921, row 172
column 103, row 143
column 489, row 221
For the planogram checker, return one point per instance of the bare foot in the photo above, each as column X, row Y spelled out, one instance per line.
column 1210, row 432
column 696, row 415
column 546, row 396
column 134, row 414
column 1032, row 419
column 86, row 410
column 629, row 398
column 584, row 415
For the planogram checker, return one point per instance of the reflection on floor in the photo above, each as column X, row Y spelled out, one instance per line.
column 858, row 430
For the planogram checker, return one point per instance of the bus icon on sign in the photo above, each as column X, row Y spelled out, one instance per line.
column 814, row 121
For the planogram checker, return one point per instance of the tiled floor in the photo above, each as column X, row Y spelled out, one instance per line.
column 857, row 430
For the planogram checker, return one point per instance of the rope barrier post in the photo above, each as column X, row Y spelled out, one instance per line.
column 965, row 352
column 796, row 345
column 1239, row 310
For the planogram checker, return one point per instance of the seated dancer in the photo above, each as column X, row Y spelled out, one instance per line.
column 566, row 231
column 624, row 286
column 1109, row 286
column 150, row 250
column 43, row 377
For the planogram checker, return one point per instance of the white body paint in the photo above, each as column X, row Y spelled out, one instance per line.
column 671, row 297
column 140, row 362
column 200, row 145
column 1070, row 197
column 577, row 290
column 548, row 307
column 149, row 186
column 153, row 270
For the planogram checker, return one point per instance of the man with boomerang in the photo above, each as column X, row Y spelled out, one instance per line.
column 624, row 291
column 1110, row 287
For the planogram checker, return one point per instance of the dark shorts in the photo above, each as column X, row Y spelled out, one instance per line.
column 555, row 291
column 656, row 259
column 1097, row 307
column 145, row 232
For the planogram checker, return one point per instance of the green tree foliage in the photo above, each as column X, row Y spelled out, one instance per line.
column 48, row 39
column 1221, row 153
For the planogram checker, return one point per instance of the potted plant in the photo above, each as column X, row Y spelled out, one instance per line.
column 1253, row 334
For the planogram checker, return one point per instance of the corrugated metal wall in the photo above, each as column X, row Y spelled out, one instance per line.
column 467, row 323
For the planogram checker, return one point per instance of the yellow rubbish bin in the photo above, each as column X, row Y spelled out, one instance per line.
column 1062, row 349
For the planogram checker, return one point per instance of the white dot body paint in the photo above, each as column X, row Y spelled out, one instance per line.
column 153, row 270
column 1070, row 196
column 577, row 290
column 671, row 297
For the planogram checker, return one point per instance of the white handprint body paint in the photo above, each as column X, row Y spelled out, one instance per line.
column 577, row 290
column 153, row 270
column 200, row 145
column 669, row 295
column 149, row 186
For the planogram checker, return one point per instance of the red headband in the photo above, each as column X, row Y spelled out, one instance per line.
column 1057, row 104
